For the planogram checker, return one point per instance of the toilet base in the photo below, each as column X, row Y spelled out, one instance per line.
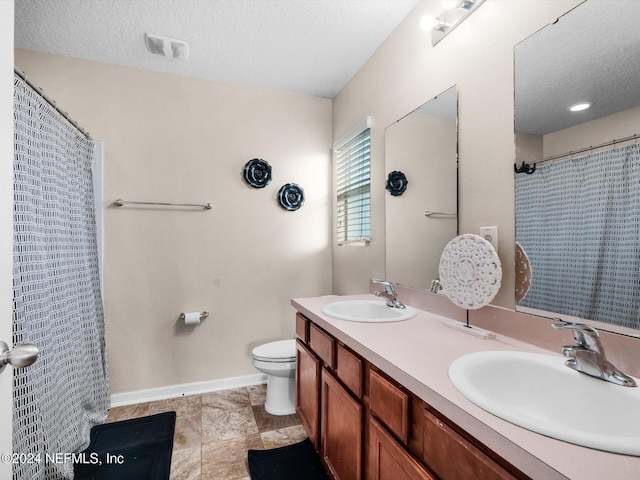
column 280, row 395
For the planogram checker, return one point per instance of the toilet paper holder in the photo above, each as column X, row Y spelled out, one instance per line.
column 203, row 315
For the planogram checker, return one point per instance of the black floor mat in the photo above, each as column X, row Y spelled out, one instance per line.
column 293, row 462
column 138, row 449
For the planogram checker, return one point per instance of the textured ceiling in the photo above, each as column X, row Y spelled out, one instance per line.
column 590, row 54
column 311, row 47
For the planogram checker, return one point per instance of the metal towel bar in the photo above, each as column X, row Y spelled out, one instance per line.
column 440, row 214
column 119, row 203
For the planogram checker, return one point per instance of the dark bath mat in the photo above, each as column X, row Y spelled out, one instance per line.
column 293, row 462
column 139, row 449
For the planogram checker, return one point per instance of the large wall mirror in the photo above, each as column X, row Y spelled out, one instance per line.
column 421, row 151
column 578, row 211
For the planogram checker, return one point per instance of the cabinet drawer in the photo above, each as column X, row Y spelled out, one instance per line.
column 390, row 404
column 302, row 328
column 323, row 344
column 389, row 460
column 452, row 457
column 349, row 369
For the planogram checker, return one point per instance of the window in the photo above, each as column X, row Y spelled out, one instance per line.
column 353, row 179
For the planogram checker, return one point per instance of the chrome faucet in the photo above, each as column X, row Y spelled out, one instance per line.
column 436, row 285
column 389, row 294
column 588, row 355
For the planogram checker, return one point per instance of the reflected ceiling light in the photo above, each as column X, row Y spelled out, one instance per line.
column 455, row 12
column 578, row 107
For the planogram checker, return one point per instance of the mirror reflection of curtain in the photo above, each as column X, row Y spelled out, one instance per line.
column 57, row 301
column 553, row 205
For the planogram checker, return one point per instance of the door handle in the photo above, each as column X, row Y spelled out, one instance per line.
column 19, row 356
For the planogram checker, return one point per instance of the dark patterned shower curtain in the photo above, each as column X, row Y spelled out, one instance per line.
column 57, row 299
column 578, row 222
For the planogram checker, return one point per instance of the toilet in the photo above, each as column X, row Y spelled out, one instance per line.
column 278, row 361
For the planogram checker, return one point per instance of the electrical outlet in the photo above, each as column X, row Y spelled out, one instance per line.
column 490, row 234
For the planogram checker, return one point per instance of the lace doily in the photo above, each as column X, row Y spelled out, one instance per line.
column 470, row 271
column 523, row 273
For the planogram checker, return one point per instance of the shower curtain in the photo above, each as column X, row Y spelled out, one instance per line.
column 57, row 300
column 578, row 222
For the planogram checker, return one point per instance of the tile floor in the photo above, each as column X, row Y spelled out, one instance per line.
column 214, row 431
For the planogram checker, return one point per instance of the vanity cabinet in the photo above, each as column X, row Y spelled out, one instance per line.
column 366, row 426
column 328, row 386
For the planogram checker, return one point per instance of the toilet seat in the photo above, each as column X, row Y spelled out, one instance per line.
column 276, row 352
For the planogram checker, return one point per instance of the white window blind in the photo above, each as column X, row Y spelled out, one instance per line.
column 353, row 178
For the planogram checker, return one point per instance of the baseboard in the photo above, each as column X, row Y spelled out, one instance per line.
column 173, row 391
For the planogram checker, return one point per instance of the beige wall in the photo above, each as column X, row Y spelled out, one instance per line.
column 173, row 139
column 405, row 72
column 606, row 129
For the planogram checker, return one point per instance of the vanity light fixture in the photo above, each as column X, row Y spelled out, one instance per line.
column 578, row 107
column 455, row 12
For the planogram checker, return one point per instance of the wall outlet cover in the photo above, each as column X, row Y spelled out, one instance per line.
column 490, row 234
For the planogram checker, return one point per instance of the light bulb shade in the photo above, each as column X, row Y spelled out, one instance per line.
column 428, row 22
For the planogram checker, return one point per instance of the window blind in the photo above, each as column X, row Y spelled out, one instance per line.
column 353, row 178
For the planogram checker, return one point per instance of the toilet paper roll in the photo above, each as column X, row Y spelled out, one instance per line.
column 192, row 318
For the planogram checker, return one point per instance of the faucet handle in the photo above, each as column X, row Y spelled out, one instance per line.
column 584, row 335
column 388, row 286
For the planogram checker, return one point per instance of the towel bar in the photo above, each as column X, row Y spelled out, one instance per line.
column 119, row 203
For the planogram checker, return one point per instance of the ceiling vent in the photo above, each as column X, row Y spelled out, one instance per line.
column 167, row 47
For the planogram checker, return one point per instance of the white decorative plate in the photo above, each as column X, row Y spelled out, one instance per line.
column 470, row 271
column 523, row 273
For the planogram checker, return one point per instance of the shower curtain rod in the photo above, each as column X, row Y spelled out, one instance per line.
column 635, row 136
column 23, row 76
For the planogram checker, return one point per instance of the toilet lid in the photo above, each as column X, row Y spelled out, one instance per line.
column 280, row 351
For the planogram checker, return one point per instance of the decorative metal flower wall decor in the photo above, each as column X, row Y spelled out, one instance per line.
column 396, row 183
column 291, row 196
column 257, row 173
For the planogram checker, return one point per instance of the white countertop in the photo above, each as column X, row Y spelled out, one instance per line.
column 417, row 353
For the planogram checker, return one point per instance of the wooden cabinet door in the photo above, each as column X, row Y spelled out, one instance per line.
column 452, row 457
column 388, row 460
column 308, row 369
column 342, row 430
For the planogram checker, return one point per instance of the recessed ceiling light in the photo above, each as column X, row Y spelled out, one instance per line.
column 578, row 107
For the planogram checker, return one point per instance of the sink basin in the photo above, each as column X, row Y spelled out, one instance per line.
column 367, row 311
column 538, row 392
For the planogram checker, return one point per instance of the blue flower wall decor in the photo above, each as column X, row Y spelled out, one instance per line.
column 291, row 196
column 396, row 183
column 257, row 173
